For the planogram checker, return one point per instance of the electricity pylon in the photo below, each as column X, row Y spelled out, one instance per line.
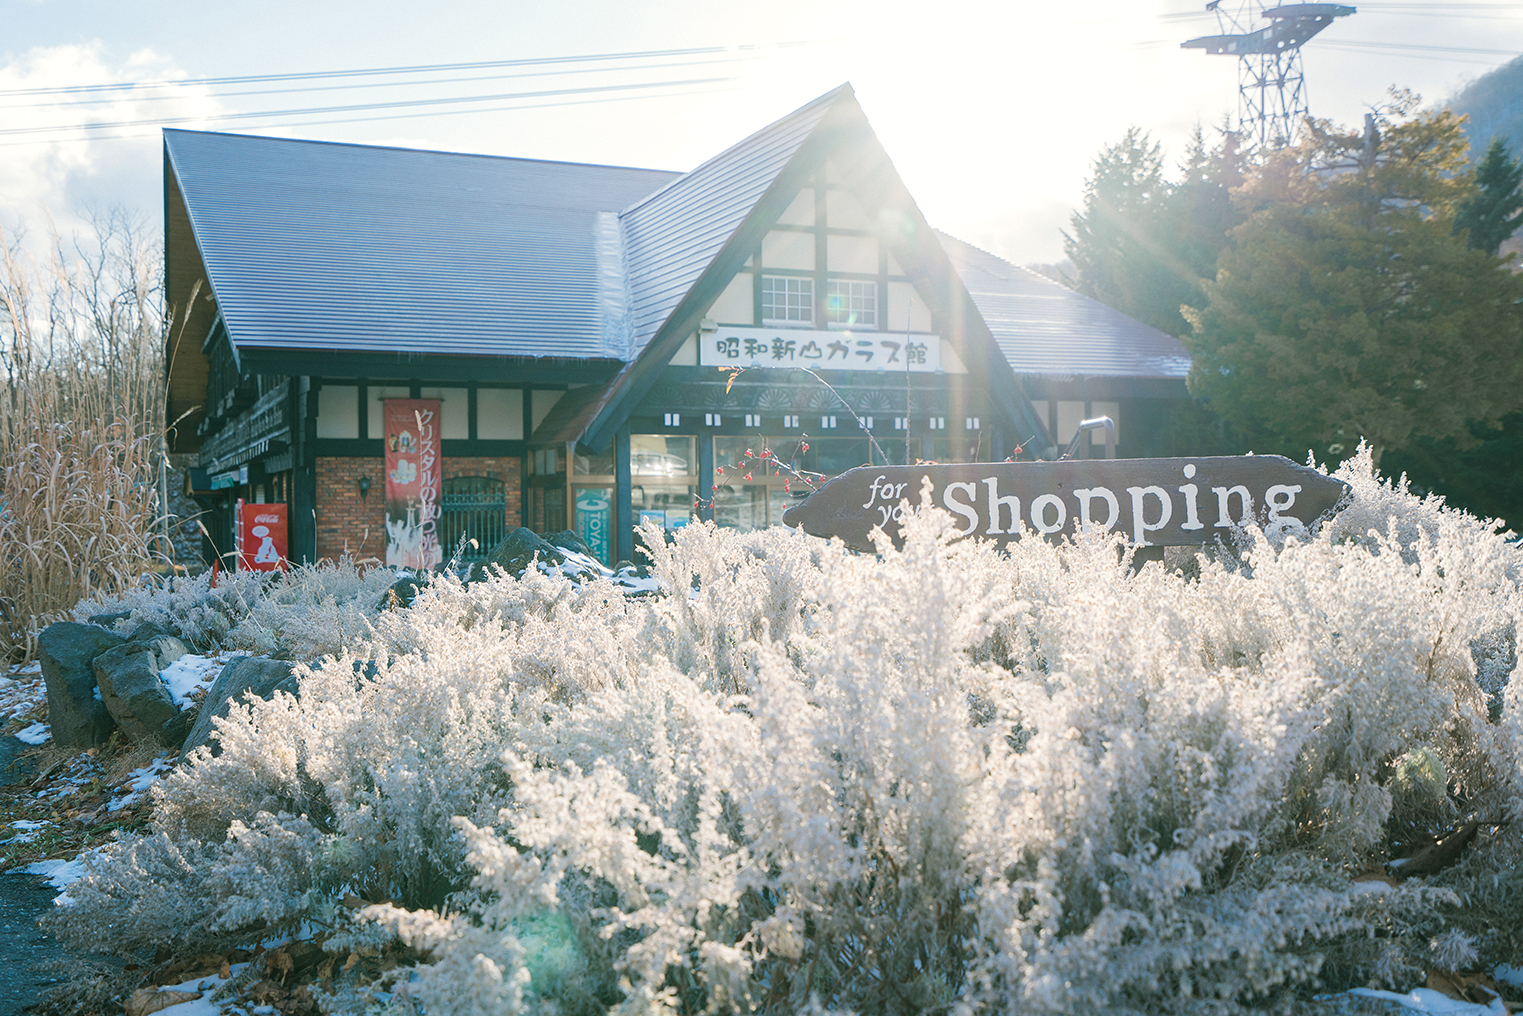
column 1271, row 84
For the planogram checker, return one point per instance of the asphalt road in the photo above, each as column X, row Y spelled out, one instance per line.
column 22, row 899
column 22, row 945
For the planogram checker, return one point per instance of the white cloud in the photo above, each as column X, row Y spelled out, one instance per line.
column 60, row 166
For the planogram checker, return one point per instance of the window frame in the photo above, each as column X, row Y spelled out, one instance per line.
column 863, row 302
column 805, row 284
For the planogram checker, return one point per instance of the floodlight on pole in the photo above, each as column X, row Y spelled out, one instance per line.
column 1271, row 82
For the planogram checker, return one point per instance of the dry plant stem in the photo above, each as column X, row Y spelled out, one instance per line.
column 81, row 419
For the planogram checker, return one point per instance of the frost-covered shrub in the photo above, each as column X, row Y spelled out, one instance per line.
column 311, row 611
column 942, row 778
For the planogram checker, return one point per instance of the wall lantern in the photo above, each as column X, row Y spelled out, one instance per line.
column 364, row 487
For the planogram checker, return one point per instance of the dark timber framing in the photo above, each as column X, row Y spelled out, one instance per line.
column 256, row 400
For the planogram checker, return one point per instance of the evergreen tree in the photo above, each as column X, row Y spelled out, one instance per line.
column 1142, row 244
column 1345, row 307
column 1495, row 212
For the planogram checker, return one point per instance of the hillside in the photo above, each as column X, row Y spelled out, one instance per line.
column 1494, row 103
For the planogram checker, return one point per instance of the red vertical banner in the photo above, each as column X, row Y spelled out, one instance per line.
column 262, row 543
column 412, row 483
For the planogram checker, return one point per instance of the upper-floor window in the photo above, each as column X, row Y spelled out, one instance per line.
column 787, row 300
column 852, row 303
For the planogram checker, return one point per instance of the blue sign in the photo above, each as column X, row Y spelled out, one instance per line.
column 592, row 523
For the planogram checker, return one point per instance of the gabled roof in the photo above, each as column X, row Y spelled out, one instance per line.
column 1048, row 329
column 684, row 243
column 674, row 235
column 334, row 247
column 314, row 245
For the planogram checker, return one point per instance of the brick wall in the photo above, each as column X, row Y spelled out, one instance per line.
column 346, row 523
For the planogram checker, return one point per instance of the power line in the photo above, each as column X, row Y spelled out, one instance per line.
column 393, row 116
column 1506, row 12
column 414, row 69
column 359, row 107
column 1479, row 61
column 1421, row 47
column 372, row 84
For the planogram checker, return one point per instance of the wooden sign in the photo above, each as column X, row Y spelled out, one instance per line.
column 1155, row 502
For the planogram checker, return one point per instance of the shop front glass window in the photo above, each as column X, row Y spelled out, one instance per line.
column 764, row 475
column 661, row 455
column 593, row 465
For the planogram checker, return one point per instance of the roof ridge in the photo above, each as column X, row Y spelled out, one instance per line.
column 824, row 100
column 424, row 151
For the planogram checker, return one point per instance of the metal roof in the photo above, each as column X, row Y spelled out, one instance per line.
column 1046, row 328
column 315, row 245
column 671, row 236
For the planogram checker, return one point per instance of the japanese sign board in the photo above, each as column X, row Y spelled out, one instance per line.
column 1155, row 502
column 820, row 350
column 413, row 484
column 262, row 543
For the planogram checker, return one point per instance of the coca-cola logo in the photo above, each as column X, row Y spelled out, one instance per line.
column 266, row 518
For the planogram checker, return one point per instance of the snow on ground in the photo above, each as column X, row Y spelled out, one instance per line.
column 1427, row 1000
column 37, row 733
column 26, row 831
column 60, row 873
column 138, row 781
column 21, row 690
column 192, row 673
column 206, row 988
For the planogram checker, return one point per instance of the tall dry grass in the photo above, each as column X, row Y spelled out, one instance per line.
column 81, row 422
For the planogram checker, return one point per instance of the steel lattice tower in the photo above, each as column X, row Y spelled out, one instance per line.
column 1271, row 83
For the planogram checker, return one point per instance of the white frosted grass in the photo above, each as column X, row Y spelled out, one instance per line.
column 37, row 733
column 1062, row 758
column 192, row 673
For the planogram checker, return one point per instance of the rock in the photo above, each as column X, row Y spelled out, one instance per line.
column 134, row 694
column 146, row 1001
column 166, row 648
column 247, row 675
column 176, row 729
column 568, row 540
column 130, row 686
column 66, row 651
column 147, row 632
column 519, row 547
column 402, row 592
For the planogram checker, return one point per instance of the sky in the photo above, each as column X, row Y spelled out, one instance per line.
column 993, row 112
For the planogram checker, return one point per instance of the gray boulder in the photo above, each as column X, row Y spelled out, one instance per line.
column 133, row 692
column 567, row 539
column 245, row 676
column 519, row 548
column 66, row 650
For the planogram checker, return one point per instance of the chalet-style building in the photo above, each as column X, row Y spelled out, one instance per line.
column 605, row 344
